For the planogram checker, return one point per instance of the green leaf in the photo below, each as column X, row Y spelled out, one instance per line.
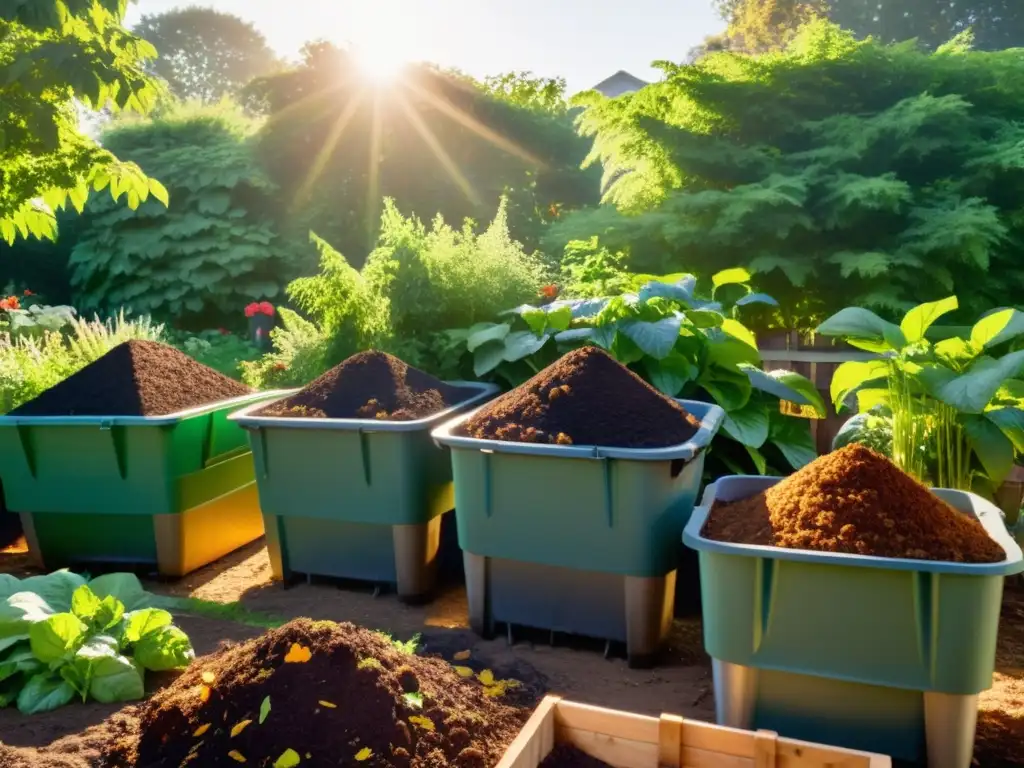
column 853, row 375
column 522, row 344
column 918, row 320
column 996, row 328
column 730, row 388
column 671, row 373
column 115, row 678
column 264, row 710
column 970, row 392
column 655, row 339
column 140, row 623
column 786, row 385
column 84, row 604
column 487, row 357
column 748, row 425
column 126, row 587
column 739, row 331
column 760, row 463
column 56, row 638
column 734, row 276
column 288, row 759
column 1011, row 422
column 793, row 438
column 164, row 649
column 44, row 692
column 728, row 352
column 862, row 325
column 993, row 448
column 536, row 320
column 559, row 319
column 55, row 588
column 157, row 190
column 19, row 660
column 487, row 332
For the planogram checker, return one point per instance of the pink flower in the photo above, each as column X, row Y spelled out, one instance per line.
column 251, row 310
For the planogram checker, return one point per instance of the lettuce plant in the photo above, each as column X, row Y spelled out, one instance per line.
column 62, row 638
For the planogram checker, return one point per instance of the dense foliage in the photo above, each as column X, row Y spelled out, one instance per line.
column 433, row 141
column 207, row 255
column 205, row 54
column 839, row 172
column 53, row 52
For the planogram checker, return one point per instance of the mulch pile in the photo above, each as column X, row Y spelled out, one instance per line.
column 568, row 756
column 371, row 385
column 584, row 398
column 136, row 378
column 854, row 501
column 317, row 694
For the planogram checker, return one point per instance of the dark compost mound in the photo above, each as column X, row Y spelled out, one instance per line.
column 855, row 501
column 371, row 385
column 568, row 756
column 136, row 378
column 584, row 398
column 328, row 694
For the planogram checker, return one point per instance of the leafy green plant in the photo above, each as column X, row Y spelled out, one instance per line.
column 62, row 637
column 34, row 320
column 956, row 406
column 685, row 345
column 299, row 355
column 219, row 349
column 590, row 270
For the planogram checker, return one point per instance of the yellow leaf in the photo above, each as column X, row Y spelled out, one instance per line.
column 486, row 677
column 423, row 722
column 328, row 704
column 364, row 754
column 209, row 677
column 204, row 693
column 464, row 671
column 461, row 656
column 235, row 755
column 299, row 654
column 201, row 730
column 495, row 690
column 288, row 759
column 239, row 728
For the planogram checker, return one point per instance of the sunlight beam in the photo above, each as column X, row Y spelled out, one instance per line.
column 446, row 161
column 373, row 176
column 324, row 155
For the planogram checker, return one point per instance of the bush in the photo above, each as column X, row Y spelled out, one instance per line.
column 218, row 349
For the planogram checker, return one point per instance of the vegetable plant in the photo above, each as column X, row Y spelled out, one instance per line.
column 62, row 638
column 684, row 344
column 955, row 406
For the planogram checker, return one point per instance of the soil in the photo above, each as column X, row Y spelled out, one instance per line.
column 854, row 501
column 338, row 694
column 584, row 398
column 371, row 385
column 136, row 378
column 568, row 756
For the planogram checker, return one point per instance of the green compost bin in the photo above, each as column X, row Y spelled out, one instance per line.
column 357, row 499
column 880, row 654
column 576, row 539
column 177, row 491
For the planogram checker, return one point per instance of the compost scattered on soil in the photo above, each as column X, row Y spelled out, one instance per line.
column 568, row 756
column 371, row 385
column 854, row 501
column 328, row 694
column 136, row 378
column 584, row 398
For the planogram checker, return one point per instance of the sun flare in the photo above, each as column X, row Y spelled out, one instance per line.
column 379, row 63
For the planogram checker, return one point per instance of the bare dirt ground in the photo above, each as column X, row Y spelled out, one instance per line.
column 572, row 668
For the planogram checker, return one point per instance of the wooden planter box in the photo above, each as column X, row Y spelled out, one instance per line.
column 626, row 740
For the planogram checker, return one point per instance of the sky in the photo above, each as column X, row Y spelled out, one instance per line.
column 584, row 41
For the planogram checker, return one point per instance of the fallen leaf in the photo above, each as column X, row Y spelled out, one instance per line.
column 239, row 728
column 464, row 671
column 328, row 704
column 264, row 709
column 461, row 655
column 235, row 755
column 201, row 730
column 298, row 654
column 486, row 677
column 288, row 759
column 364, row 754
column 423, row 722
column 209, row 677
column 204, row 693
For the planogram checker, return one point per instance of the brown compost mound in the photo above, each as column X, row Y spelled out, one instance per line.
column 584, row 398
column 136, row 378
column 338, row 695
column 371, row 385
column 568, row 756
column 854, row 501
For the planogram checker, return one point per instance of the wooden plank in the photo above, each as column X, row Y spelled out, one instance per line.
column 536, row 740
column 793, row 356
column 730, row 742
column 614, row 750
column 792, row 753
column 622, row 725
column 670, row 741
column 765, row 743
column 702, row 758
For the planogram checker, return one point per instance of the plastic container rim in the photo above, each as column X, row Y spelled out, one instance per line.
column 138, row 421
column 710, row 416
column 245, row 418
column 989, row 515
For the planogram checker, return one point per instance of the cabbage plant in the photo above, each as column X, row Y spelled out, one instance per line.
column 62, row 638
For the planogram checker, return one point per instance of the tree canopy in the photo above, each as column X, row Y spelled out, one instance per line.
column 205, row 54
column 52, row 53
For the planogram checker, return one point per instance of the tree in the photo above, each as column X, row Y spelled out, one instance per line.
column 546, row 94
column 205, row 54
column 839, row 172
column 766, row 25
column 52, row 53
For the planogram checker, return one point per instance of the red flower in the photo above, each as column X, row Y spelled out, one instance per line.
column 28, row 292
column 266, row 308
column 223, row 331
column 252, row 309
column 279, row 366
column 549, row 291
column 11, row 302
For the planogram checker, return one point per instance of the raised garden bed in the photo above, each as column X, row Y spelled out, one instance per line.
column 880, row 653
column 355, row 498
column 627, row 740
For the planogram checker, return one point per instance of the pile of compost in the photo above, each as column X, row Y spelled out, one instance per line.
column 371, row 385
column 584, row 398
column 316, row 693
column 136, row 378
column 854, row 501
column 568, row 756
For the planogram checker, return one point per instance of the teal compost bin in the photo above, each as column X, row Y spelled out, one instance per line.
column 177, row 491
column 880, row 654
column 354, row 498
column 578, row 539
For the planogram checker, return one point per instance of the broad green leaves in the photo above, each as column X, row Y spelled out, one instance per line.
column 864, row 329
column 918, row 320
column 997, row 328
column 57, row 637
